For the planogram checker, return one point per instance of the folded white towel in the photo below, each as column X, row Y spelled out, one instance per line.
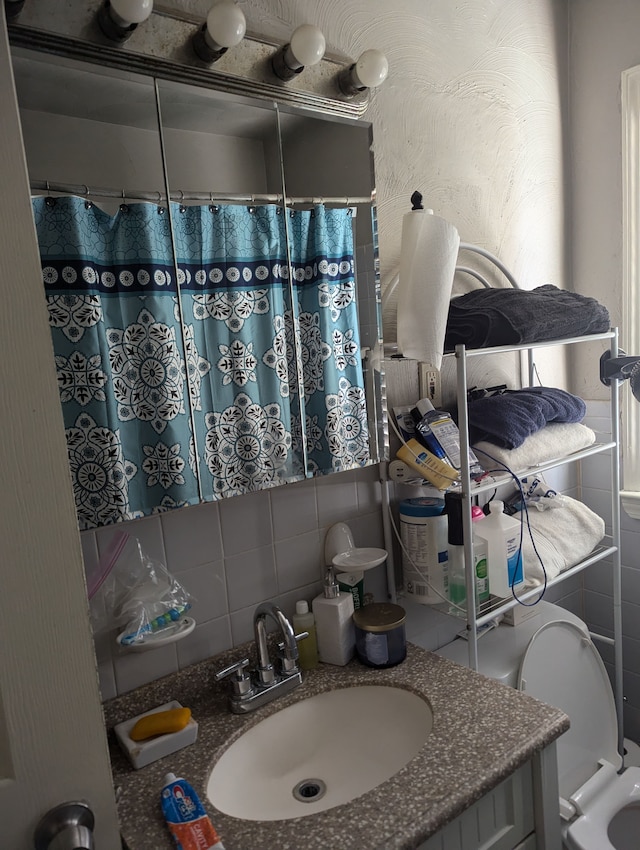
column 565, row 532
column 555, row 440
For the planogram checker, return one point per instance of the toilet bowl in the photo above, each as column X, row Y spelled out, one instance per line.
column 599, row 807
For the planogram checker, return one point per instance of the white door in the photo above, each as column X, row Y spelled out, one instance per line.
column 52, row 738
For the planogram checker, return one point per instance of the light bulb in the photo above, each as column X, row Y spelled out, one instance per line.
column 368, row 72
column 127, row 12
column 118, row 19
column 371, row 69
column 226, row 25
column 307, row 45
column 224, row 28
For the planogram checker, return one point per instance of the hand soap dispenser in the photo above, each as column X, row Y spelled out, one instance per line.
column 333, row 611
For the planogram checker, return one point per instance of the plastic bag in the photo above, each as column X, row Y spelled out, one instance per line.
column 134, row 594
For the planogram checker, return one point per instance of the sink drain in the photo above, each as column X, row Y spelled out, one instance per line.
column 309, row 790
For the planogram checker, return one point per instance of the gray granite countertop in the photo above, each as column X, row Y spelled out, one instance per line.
column 482, row 732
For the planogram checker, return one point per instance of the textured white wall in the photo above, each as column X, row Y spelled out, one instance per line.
column 471, row 115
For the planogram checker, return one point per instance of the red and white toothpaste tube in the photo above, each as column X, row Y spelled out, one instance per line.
column 186, row 818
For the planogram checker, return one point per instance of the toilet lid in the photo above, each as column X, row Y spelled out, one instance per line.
column 562, row 667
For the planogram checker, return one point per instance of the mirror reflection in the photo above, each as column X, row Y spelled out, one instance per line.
column 209, row 327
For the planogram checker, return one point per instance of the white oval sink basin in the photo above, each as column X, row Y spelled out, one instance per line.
column 319, row 753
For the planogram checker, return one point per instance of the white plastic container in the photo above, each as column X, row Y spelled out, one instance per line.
column 423, row 531
column 333, row 612
column 504, row 555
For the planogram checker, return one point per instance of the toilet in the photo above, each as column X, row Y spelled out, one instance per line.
column 599, row 807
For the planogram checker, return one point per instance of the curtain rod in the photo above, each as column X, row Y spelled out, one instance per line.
column 87, row 192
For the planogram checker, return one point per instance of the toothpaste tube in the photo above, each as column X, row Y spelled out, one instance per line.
column 186, row 818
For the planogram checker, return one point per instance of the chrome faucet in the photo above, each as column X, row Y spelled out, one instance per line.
column 250, row 690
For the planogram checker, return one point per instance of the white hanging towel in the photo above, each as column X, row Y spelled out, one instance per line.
column 429, row 252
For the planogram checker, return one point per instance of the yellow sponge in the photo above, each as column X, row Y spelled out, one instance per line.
column 160, row 723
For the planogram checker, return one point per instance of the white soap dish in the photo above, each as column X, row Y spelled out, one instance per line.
column 359, row 559
column 152, row 640
column 142, row 753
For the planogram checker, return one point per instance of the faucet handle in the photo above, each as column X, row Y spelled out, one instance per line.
column 289, row 665
column 241, row 681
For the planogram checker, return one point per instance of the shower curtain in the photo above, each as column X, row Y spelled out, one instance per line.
column 200, row 378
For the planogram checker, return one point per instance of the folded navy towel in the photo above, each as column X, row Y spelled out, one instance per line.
column 508, row 418
column 488, row 317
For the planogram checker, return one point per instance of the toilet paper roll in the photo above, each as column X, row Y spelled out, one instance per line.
column 428, row 258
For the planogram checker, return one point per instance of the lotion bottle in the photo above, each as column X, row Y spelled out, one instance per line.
column 304, row 621
column 333, row 612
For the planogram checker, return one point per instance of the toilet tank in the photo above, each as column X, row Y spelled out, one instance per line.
column 500, row 650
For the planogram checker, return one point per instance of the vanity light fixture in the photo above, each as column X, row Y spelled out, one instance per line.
column 224, row 28
column 306, row 47
column 13, row 8
column 368, row 72
column 118, row 19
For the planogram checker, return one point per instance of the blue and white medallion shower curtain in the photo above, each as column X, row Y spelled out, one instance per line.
column 326, row 322
column 235, row 297
column 178, row 391
column 112, row 299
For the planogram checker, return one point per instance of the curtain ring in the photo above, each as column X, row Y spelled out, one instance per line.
column 123, row 206
column 182, row 207
column 87, row 203
column 49, row 201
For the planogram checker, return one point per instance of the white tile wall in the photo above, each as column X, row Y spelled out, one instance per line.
column 233, row 554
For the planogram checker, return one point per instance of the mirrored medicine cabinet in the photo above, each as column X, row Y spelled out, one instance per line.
column 210, row 271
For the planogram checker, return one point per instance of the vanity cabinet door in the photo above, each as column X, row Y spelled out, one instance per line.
column 96, row 168
column 331, row 161
column 229, row 223
column 499, row 821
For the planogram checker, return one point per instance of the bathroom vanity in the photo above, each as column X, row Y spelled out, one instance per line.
column 486, row 775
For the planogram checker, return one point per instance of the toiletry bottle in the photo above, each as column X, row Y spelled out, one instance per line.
column 304, row 621
column 483, row 588
column 186, row 818
column 504, row 556
column 457, row 579
column 438, row 472
column 333, row 612
column 457, row 574
column 438, row 426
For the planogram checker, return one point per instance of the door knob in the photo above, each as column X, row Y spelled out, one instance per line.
column 67, row 827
